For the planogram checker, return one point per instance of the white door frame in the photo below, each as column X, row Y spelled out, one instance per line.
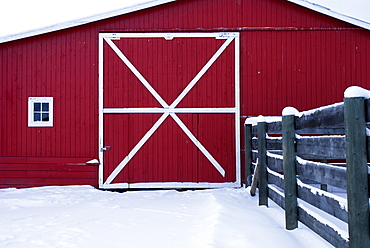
column 168, row 109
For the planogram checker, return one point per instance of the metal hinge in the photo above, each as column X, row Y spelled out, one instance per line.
column 226, row 35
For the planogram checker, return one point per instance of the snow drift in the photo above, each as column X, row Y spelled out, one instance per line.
column 82, row 216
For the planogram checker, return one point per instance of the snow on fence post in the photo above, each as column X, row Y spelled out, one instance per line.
column 262, row 163
column 357, row 168
column 248, row 153
column 289, row 166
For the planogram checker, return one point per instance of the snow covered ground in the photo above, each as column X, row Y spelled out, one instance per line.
column 82, row 216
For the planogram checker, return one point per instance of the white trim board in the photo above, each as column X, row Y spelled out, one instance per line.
column 327, row 11
column 82, row 21
column 171, row 185
column 167, row 110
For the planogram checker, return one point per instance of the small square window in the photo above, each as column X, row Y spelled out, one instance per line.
column 40, row 111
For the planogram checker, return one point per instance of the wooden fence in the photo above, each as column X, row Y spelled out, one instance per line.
column 292, row 154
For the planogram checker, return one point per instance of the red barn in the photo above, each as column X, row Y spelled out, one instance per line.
column 154, row 96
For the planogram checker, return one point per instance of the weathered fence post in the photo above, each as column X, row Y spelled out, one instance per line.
column 248, row 153
column 262, row 153
column 357, row 172
column 289, row 165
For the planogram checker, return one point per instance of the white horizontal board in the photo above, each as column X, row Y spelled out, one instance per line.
column 167, row 110
column 170, row 185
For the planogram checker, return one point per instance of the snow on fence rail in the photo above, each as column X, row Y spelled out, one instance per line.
column 285, row 151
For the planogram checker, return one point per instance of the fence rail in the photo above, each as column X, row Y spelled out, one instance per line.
column 292, row 153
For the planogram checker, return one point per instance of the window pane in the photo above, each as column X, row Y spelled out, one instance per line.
column 45, row 106
column 36, row 117
column 45, row 116
column 37, row 106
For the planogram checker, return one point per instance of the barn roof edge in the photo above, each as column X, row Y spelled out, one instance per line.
column 84, row 20
column 152, row 3
column 329, row 12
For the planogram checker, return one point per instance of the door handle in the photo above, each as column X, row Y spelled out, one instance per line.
column 105, row 148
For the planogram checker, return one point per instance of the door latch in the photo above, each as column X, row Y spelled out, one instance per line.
column 105, row 148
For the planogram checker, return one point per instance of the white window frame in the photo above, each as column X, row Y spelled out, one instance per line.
column 31, row 121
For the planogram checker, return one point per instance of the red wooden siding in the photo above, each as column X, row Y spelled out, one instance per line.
column 304, row 69
column 38, row 68
column 33, row 172
column 52, row 66
column 289, row 56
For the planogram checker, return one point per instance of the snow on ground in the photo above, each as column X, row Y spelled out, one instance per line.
column 82, row 216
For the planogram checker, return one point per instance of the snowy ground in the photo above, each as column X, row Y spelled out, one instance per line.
column 81, row 216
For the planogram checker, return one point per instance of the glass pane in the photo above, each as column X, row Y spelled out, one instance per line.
column 45, row 106
column 36, row 117
column 45, row 116
column 37, row 106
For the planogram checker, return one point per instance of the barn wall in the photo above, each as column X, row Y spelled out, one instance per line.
column 60, row 66
column 289, row 56
column 304, row 69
